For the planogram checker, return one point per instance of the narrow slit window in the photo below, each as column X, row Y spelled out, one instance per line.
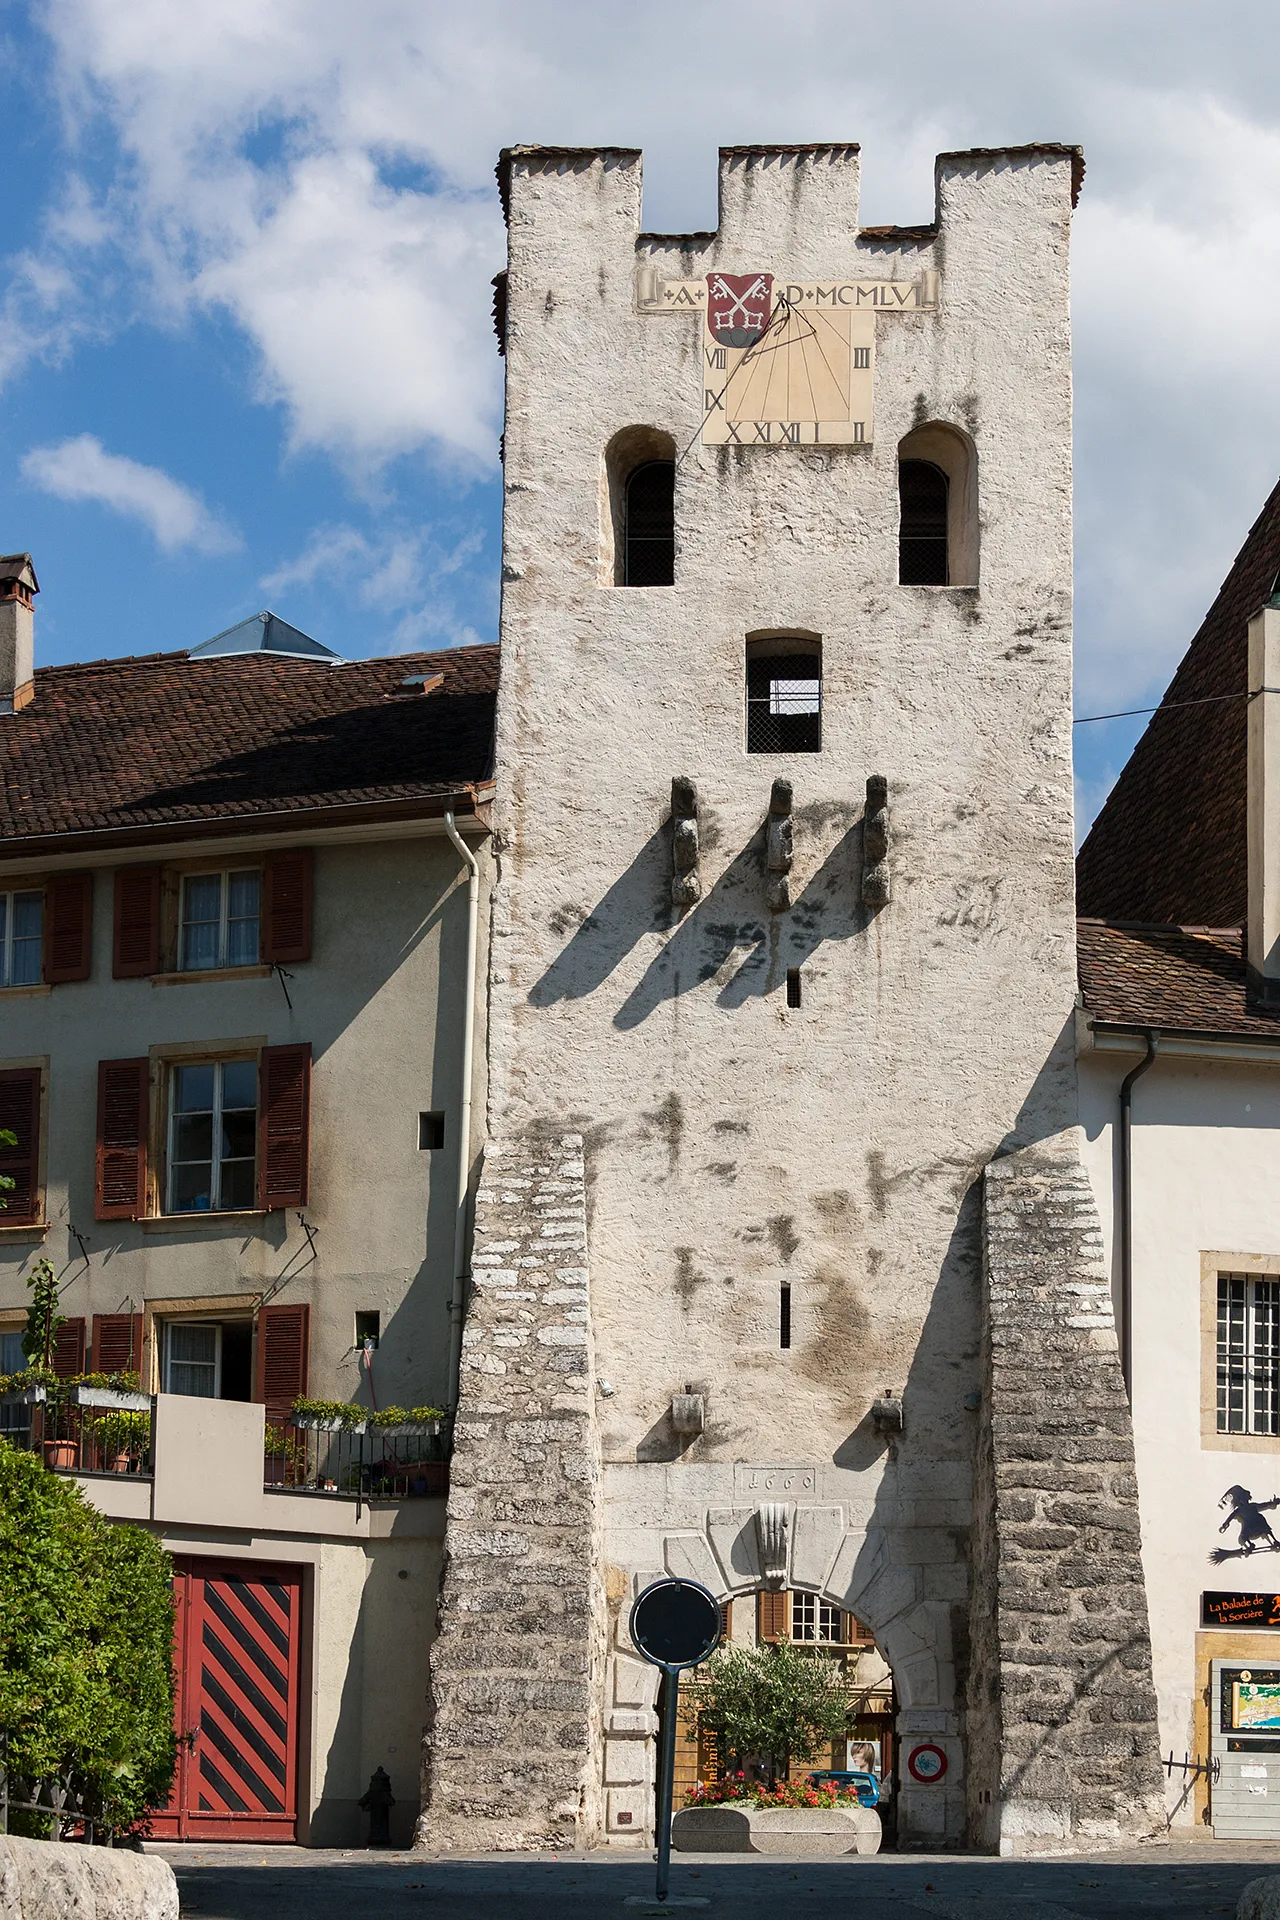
column 784, row 696
column 1248, row 1354
column 368, row 1328
column 923, row 491
column 793, row 986
column 650, row 526
column 784, row 1317
column 430, row 1132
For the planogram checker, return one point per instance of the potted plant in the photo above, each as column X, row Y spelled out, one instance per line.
column 284, row 1458
column 421, row 1421
column 121, row 1436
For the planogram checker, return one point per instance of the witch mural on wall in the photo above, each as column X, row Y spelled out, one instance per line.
column 1250, row 1516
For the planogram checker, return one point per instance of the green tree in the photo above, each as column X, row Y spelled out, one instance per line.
column 86, row 1648
column 776, row 1700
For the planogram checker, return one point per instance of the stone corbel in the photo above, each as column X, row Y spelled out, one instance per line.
column 875, row 843
column 777, row 848
column 686, row 887
column 773, row 1524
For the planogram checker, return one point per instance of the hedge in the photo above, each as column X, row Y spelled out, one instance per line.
column 86, row 1649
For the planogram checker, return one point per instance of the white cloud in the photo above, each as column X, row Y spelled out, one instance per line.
column 406, row 576
column 82, row 469
column 330, row 190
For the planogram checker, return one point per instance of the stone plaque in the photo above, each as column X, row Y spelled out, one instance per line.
column 775, row 1483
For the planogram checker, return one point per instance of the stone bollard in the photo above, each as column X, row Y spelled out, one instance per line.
column 50, row 1880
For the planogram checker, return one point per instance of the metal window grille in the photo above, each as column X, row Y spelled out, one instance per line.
column 650, row 530
column 922, row 525
column 784, row 703
column 1248, row 1354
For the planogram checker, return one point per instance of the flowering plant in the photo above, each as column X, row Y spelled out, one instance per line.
column 735, row 1787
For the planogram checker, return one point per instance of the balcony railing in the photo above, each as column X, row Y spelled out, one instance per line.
column 377, row 1464
column 84, row 1430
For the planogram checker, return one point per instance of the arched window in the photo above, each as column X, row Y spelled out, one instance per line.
column 938, row 507
column 784, row 693
column 637, row 509
column 649, row 557
column 922, row 525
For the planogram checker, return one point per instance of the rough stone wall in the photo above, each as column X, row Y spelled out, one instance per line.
column 1062, row 1723
column 511, row 1755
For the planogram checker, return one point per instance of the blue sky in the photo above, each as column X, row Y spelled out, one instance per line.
column 245, row 346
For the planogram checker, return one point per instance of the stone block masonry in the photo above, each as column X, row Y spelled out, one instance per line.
column 511, row 1757
column 1063, row 1739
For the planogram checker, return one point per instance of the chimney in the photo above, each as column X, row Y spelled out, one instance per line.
column 18, row 588
column 1264, row 804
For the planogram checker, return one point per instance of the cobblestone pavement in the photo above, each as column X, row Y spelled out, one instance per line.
column 1178, row 1882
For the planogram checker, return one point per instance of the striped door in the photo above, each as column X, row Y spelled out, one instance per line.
column 238, row 1635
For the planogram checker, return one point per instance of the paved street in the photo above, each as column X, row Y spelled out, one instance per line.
column 290, row 1883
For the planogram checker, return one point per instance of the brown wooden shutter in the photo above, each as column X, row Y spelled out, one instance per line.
column 68, row 928
column 284, row 1126
column 120, row 1190
column 283, row 1351
column 68, row 1348
column 286, row 906
column 117, row 1343
column 20, row 1114
column 136, row 944
column 771, row 1616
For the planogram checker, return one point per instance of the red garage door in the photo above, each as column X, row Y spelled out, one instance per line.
column 238, row 1635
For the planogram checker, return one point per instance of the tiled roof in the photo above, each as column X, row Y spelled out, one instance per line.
column 119, row 748
column 1170, row 844
column 1181, row 979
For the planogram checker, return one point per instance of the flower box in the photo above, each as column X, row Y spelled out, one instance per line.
column 326, row 1423
column 406, row 1429
column 111, row 1397
column 793, row 1832
column 26, row 1397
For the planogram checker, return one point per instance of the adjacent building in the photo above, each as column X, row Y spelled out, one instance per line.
column 1179, row 1033
column 236, row 911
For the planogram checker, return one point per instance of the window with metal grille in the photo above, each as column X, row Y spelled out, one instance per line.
column 922, row 526
column 650, row 531
column 784, row 696
column 1248, row 1354
column 813, row 1620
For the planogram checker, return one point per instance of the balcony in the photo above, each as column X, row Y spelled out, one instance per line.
column 179, row 1460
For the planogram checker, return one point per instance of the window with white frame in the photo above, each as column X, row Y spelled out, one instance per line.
column 193, row 1358
column 815, row 1621
column 1248, row 1353
column 219, row 920
column 21, row 926
column 213, row 1136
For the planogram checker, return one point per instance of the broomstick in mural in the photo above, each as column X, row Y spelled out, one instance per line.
column 1250, row 1516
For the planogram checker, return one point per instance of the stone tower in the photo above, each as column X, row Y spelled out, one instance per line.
column 782, row 958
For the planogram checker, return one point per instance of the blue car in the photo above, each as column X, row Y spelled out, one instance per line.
column 866, row 1784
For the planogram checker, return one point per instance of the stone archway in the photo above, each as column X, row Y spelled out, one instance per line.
column 790, row 1541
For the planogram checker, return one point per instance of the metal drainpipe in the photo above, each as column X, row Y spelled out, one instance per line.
column 1126, row 1208
column 458, row 1299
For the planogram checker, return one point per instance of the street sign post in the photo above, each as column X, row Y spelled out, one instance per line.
column 674, row 1624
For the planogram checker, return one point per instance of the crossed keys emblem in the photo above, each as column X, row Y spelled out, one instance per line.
column 738, row 307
